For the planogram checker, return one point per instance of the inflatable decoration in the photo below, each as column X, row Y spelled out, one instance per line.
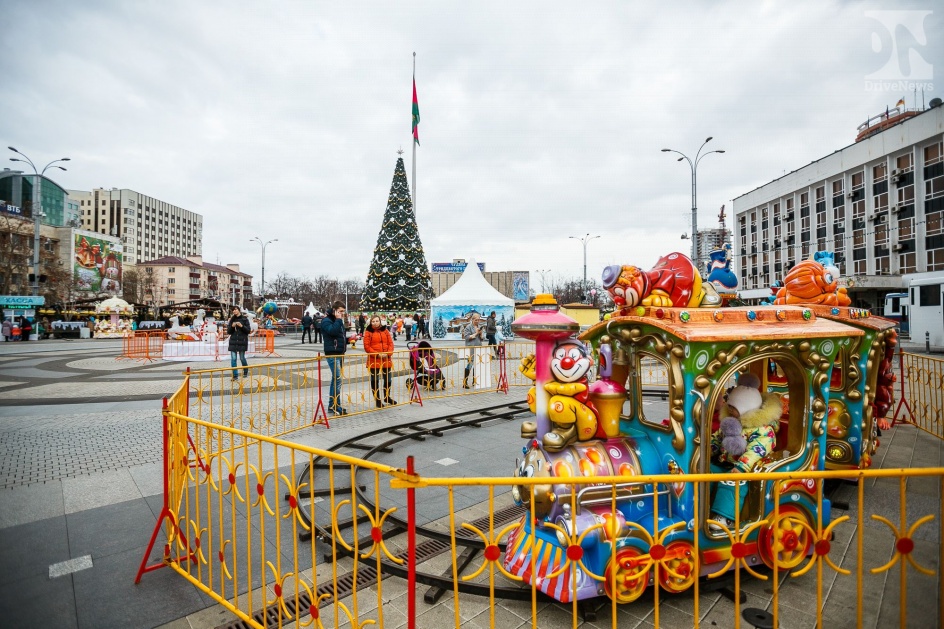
column 673, row 281
column 179, row 332
column 253, row 324
column 269, row 308
column 719, row 273
column 810, row 282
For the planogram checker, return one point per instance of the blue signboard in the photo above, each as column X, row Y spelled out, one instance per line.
column 449, row 267
column 21, row 301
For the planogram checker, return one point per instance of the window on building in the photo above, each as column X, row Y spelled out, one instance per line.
column 904, row 163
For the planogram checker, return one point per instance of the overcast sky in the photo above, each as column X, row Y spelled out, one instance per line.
column 540, row 120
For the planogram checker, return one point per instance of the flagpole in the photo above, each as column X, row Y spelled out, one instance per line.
column 414, row 145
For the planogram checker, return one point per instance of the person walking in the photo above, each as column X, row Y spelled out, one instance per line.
column 491, row 327
column 306, row 327
column 6, row 328
column 472, row 333
column 334, row 334
column 378, row 343
column 26, row 328
column 238, row 329
column 361, row 323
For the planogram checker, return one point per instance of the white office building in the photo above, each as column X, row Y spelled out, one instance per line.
column 878, row 204
column 150, row 228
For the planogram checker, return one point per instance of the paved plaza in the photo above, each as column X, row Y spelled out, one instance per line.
column 80, row 450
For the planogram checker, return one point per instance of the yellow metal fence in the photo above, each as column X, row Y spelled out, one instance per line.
column 922, row 392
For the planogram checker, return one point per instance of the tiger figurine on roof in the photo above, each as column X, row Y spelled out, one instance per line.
column 813, row 281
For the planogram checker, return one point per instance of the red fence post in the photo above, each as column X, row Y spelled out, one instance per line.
column 502, row 369
column 165, row 510
column 410, row 550
column 902, row 401
column 319, row 407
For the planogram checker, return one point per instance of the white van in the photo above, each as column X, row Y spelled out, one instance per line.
column 896, row 309
column 926, row 307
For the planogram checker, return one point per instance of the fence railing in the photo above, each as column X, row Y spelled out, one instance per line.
column 233, row 527
column 922, row 392
column 154, row 345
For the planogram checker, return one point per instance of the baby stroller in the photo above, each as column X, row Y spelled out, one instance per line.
column 423, row 363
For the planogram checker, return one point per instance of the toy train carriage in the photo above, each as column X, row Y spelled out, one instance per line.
column 703, row 352
column 859, row 387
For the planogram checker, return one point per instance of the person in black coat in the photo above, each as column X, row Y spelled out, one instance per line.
column 306, row 327
column 334, row 333
column 238, row 329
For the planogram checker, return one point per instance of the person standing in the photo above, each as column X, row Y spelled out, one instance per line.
column 378, row 343
column 334, row 334
column 316, row 324
column 408, row 327
column 361, row 323
column 472, row 333
column 238, row 329
column 491, row 327
column 306, row 327
column 26, row 328
column 7, row 330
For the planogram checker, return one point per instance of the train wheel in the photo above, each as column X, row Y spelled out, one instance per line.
column 786, row 540
column 631, row 576
column 680, row 559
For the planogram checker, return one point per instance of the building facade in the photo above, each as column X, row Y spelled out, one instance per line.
column 878, row 204
column 175, row 279
column 150, row 228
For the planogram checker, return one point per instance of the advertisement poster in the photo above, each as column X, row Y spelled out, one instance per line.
column 521, row 286
column 97, row 265
column 447, row 321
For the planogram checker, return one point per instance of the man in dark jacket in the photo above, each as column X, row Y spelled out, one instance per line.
column 238, row 329
column 334, row 334
column 306, row 327
column 316, row 324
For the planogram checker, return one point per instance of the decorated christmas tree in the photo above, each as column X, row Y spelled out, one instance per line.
column 398, row 279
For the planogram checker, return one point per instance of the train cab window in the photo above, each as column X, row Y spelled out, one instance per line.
column 652, row 375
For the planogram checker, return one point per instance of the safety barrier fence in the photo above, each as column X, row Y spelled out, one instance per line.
column 232, row 525
column 154, row 345
column 921, row 399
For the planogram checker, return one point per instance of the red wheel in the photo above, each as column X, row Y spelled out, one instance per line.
column 680, row 559
column 631, row 576
column 787, row 539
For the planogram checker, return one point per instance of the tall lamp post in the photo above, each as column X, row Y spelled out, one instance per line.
column 542, row 273
column 693, row 164
column 37, row 207
column 264, row 245
column 584, row 240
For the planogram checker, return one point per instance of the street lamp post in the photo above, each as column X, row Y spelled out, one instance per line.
column 37, row 207
column 542, row 273
column 264, row 245
column 694, row 168
column 584, row 240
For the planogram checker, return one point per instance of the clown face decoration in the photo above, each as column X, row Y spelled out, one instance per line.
column 571, row 362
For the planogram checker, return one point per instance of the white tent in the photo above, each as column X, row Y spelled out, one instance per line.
column 470, row 293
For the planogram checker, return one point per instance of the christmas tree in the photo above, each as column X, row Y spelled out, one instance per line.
column 439, row 328
column 398, row 279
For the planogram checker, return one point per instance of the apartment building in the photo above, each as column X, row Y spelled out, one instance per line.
column 176, row 279
column 878, row 204
column 150, row 228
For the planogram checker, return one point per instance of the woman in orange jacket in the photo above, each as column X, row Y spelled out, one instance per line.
column 378, row 343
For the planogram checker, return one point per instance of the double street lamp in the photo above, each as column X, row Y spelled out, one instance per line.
column 37, row 207
column 584, row 240
column 693, row 164
column 264, row 245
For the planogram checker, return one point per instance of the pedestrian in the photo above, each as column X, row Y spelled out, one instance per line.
column 419, row 326
column 472, row 333
column 378, row 343
column 361, row 323
column 306, row 327
column 6, row 328
column 416, row 333
column 408, row 327
column 26, row 328
column 334, row 333
column 316, row 324
column 491, row 326
column 238, row 329
column 40, row 330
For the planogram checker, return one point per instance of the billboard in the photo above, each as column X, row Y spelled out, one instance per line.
column 452, row 267
column 97, row 264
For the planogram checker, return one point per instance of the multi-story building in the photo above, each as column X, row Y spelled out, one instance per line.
column 150, row 228
column 175, row 279
column 877, row 204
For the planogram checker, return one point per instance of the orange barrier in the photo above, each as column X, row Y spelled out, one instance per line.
column 265, row 343
column 142, row 345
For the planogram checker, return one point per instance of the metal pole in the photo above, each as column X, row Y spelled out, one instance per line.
column 694, row 218
column 263, row 271
column 37, row 223
column 414, row 147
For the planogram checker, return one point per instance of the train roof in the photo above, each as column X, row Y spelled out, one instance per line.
column 731, row 324
column 853, row 316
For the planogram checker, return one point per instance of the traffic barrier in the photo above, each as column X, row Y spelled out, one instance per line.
column 142, row 345
column 921, row 392
column 233, row 528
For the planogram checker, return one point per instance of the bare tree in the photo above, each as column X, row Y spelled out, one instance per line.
column 16, row 249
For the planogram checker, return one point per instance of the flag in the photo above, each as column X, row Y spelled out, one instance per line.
column 886, row 111
column 416, row 115
column 900, row 103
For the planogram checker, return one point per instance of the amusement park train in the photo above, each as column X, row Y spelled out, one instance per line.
column 784, row 388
